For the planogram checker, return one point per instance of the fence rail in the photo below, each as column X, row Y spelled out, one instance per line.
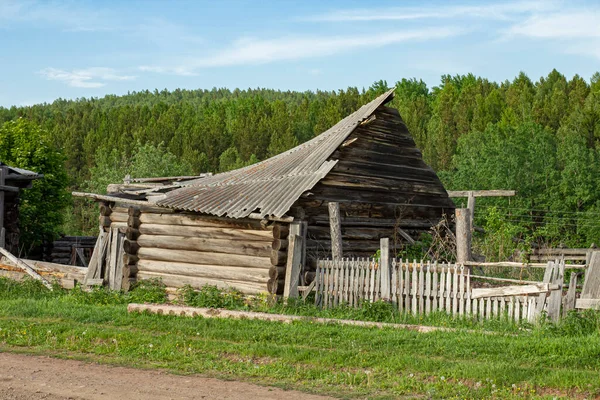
column 422, row 288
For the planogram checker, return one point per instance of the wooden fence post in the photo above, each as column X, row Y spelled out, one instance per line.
column 471, row 207
column 463, row 236
column 384, row 266
column 3, row 173
column 335, row 226
column 294, row 260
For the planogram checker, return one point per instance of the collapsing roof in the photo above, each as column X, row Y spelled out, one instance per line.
column 270, row 187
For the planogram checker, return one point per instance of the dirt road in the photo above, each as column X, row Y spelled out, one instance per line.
column 31, row 378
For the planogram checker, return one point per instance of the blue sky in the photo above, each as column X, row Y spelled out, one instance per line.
column 71, row 49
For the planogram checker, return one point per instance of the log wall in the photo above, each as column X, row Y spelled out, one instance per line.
column 189, row 249
column 382, row 185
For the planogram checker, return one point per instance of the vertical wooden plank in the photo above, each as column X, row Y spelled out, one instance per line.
column 384, row 267
column 394, row 283
column 421, row 292
column 541, row 301
column 351, row 282
column 434, row 288
column 335, row 227
column 294, row 262
column 449, row 289
column 571, row 292
column 93, row 264
column 455, row 275
column 442, row 288
column 511, row 304
column 482, row 302
column 474, row 308
column 407, row 284
column 488, row 308
column 468, row 290
column 118, row 276
column 461, row 291
column 531, row 309
column 495, row 307
column 414, row 286
column 555, row 299
column 112, row 266
column 428, row 288
column 377, row 282
column 336, row 281
column 502, row 310
column 372, row 280
column 326, row 284
column 517, row 309
column 318, row 282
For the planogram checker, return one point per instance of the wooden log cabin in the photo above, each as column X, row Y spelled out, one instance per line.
column 231, row 229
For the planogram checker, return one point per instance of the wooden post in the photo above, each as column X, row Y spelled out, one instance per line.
column 463, row 236
column 471, row 207
column 3, row 171
column 384, row 265
column 294, row 260
column 335, row 225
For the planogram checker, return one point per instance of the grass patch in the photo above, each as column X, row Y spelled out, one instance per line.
column 550, row 360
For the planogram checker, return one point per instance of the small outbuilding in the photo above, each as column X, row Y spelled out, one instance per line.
column 232, row 229
column 12, row 180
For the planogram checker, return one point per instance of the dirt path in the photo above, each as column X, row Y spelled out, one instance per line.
column 31, row 378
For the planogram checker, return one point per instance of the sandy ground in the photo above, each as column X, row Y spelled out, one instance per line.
column 25, row 377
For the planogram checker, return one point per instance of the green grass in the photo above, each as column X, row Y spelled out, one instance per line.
column 346, row 361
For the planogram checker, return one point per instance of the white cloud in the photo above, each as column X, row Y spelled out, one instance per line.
column 487, row 11
column 85, row 78
column 581, row 24
column 576, row 32
column 250, row 51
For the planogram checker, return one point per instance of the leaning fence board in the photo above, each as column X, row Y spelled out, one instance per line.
column 511, row 290
column 27, row 268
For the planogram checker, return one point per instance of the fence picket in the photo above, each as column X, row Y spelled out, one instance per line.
column 428, row 288
column 442, row 287
column 448, row 296
column 421, row 291
column 517, row 310
column 415, row 279
column 461, row 292
column 435, row 288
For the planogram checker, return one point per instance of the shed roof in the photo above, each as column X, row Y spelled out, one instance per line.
column 270, row 187
column 20, row 173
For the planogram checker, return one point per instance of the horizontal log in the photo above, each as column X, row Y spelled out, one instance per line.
column 178, row 281
column 104, row 221
column 482, row 193
column 130, row 246
column 47, row 269
column 119, row 217
column 134, row 211
column 206, row 232
column 133, row 222
column 276, row 272
column 254, row 275
column 278, row 257
column 257, row 249
column 279, row 244
column 62, row 249
column 105, row 210
column 208, row 258
column 198, row 220
column 275, row 286
column 281, row 231
column 375, row 222
column 132, row 234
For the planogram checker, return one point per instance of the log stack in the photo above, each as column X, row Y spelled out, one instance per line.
column 64, row 250
column 189, row 249
column 278, row 258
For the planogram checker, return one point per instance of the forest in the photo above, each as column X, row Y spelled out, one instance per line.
column 540, row 138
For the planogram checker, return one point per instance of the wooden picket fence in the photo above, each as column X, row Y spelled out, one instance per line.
column 419, row 288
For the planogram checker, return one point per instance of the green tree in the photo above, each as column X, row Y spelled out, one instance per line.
column 25, row 145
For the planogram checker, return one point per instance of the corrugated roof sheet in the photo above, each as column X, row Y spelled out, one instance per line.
column 272, row 186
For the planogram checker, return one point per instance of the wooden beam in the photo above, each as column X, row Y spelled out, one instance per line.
column 292, row 270
column 384, row 265
column 463, row 236
column 514, row 290
column 585, row 304
column 5, row 188
column 482, row 193
column 335, row 226
column 112, row 199
column 30, row 271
